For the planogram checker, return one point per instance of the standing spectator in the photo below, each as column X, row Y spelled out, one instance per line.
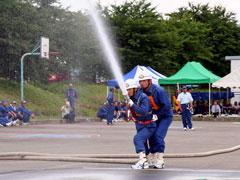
column 24, row 114
column 189, row 89
column 216, row 110
column 102, row 112
column 111, row 106
column 227, row 108
column 71, row 96
column 67, row 112
column 235, row 107
column 185, row 98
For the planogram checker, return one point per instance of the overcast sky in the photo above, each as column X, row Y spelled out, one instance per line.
column 163, row 6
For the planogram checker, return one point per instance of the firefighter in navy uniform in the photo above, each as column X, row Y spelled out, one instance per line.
column 110, row 112
column 161, row 106
column 142, row 115
column 71, row 96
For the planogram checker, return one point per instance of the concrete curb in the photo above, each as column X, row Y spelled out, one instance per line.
column 59, row 121
column 176, row 118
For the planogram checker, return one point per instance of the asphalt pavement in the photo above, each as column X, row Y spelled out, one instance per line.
column 99, row 138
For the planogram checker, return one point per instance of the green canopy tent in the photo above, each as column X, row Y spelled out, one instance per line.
column 192, row 73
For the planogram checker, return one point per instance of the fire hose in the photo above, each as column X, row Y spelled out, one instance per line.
column 103, row 158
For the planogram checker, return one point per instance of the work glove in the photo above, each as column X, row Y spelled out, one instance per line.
column 130, row 102
column 155, row 118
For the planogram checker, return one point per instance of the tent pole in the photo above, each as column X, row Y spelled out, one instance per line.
column 219, row 92
column 118, row 94
column 107, row 91
column 209, row 99
column 227, row 93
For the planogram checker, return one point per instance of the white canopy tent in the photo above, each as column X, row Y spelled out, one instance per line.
column 231, row 80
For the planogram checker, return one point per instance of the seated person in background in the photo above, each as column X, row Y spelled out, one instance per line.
column 220, row 105
column 235, row 108
column 5, row 122
column 67, row 112
column 216, row 110
column 122, row 110
column 24, row 114
column 198, row 109
column 116, row 108
column 204, row 108
column 227, row 108
column 201, row 107
column 4, row 110
column 13, row 110
column 6, row 118
column 102, row 111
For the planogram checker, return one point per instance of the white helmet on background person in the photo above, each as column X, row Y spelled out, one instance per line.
column 144, row 75
column 131, row 83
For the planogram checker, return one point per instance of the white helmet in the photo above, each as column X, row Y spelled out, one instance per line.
column 144, row 75
column 131, row 83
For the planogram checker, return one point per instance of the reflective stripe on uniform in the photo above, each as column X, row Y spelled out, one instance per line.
column 144, row 122
column 153, row 104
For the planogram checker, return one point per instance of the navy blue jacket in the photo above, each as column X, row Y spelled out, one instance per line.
column 23, row 110
column 3, row 111
column 161, row 100
column 142, row 109
column 110, row 99
column 10, row 108
column 102, row 112
column 71, row 94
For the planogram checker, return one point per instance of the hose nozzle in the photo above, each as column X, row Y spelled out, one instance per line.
column 126, row 97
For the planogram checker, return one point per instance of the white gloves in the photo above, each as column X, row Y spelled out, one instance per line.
column 155, row 118
column 130, row 102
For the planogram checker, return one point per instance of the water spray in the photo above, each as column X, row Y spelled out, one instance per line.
column 106, row 44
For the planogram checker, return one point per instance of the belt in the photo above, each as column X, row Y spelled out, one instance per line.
column 145, row 122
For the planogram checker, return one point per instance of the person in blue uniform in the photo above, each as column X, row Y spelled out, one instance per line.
column 185, row 99
column 111, row 106
column 5, row 116
column 13, row 110
column 4, row 110
column 71, row 96
column 141, row 113
column 24, row 114
column 116, row 110
column 161, row 107
column 122, row 110
column 102, row 111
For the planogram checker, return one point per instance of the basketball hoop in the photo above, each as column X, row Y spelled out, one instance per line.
column 44, row 47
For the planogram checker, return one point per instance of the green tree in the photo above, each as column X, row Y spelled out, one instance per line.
column 223, row 35
column 137, row 27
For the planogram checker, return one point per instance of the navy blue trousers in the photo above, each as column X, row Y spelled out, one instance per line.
column 186, row 116
column 110, row 114
column 141, row 138
column 156, row 142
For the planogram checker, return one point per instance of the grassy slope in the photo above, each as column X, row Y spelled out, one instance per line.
column 46, row 100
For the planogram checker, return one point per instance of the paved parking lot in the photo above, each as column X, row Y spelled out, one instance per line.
column 98, row 138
